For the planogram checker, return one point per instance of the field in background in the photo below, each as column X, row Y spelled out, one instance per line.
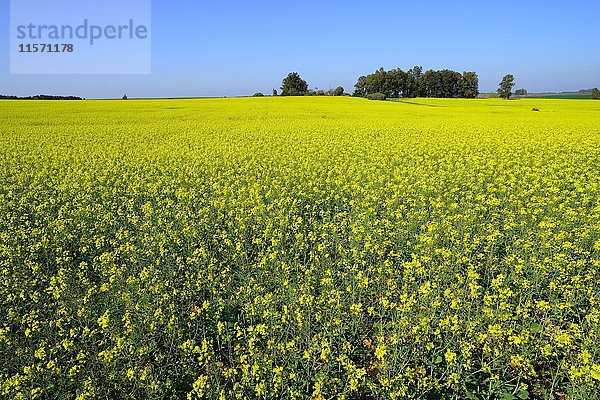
column 573, row 96
column 300, row 248
column 562, row 96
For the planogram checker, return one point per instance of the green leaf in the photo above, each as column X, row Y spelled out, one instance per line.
column 507, row 396
column 472, row 396
column 535, row 327
column 522, row 394
column 438, row 360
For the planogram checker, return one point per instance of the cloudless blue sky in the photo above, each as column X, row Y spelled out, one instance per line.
column 228, row 48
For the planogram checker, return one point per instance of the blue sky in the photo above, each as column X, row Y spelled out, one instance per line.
column 228, row 48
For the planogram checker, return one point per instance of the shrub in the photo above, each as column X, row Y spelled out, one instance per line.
column 376, row 96
column 258, row 94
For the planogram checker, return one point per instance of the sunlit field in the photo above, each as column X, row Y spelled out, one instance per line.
column 302, row 248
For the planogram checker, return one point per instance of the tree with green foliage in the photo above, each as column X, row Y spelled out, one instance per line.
column 469, row 85
column 125, row 97
column 596, row 94
column 413, row 82
column 258, row 94
column 450, row 84
column 521, row 92
column 339, row 91
column 396, row 81
column 381, row 81
column 294, row 85
column 505, row 88
column 274, row 92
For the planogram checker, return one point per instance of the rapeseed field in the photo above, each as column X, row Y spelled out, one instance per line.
column 300, row 248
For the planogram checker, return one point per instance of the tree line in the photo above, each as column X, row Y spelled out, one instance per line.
column 41, row 97
column 395, row 83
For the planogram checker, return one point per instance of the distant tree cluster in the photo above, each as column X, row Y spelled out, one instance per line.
column 40, row 97
column 294, row 85
column 521, row 92
column 596, row 94
column 416, row 83
column 339, row 91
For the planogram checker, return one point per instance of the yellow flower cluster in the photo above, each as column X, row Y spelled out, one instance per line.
column 298, row 248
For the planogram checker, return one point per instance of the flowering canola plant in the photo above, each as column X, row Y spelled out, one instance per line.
column 297, row 248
